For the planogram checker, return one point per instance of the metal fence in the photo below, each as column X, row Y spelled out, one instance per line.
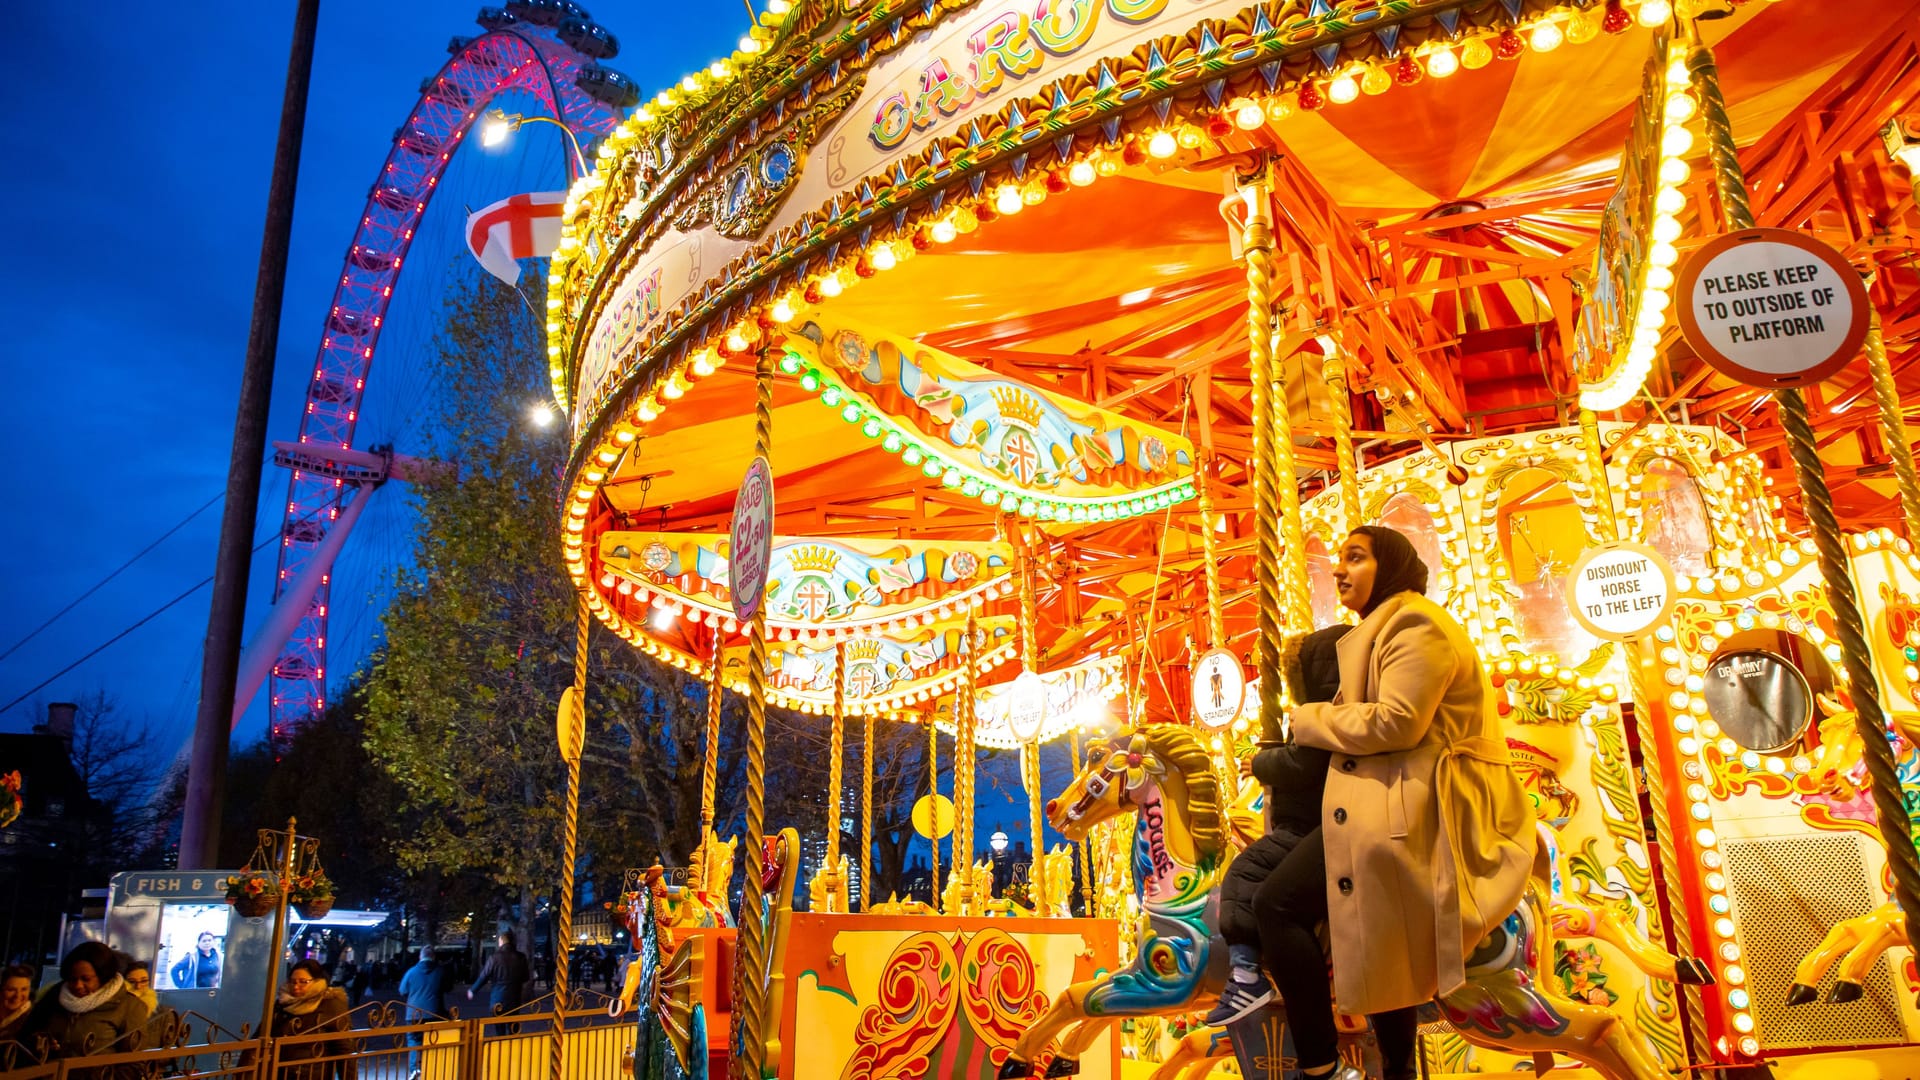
column 380, row 1045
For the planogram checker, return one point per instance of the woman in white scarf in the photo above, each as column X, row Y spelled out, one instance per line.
column 93, row 1012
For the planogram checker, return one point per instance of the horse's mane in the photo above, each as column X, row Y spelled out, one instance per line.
column 1178, row 748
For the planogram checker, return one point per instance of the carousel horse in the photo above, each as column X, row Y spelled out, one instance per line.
column 1857, row 943
column 1056, row 869
column 1163, row 775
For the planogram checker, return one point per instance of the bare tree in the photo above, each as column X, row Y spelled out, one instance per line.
column 115, row 755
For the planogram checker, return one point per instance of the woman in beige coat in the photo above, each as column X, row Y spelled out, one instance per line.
column 1428, row 836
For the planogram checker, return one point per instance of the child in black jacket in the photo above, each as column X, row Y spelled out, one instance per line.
column 1296, row 778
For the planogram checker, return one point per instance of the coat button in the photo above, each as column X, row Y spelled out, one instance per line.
column 1340, row 816
column 1349, row 765
column 1346, row 886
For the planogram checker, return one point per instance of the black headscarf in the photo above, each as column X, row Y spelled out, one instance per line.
column 1400, row 567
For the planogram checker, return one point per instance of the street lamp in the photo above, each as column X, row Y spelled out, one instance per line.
column 541, row 414
column 998, row 842
column 499, row 124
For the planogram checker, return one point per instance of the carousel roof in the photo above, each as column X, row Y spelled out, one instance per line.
column 1068, row 354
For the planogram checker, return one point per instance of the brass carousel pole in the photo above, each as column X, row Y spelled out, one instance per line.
column 1893, row 426
column 1030, row 753
column 710, row 764
column 1597, row 472
column 1869, row 716
column 1334, row 370
column 933, row 820
column 749, row 975
column 866, row 818
column 963, row 769
column 575, row 705
column 1085, row 845
column 1225, row 762
column 1274, row 489
column 836, row 746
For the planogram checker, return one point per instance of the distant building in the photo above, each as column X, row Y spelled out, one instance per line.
column 43, row 855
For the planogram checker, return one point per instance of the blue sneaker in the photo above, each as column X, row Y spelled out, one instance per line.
column 1239, row 1000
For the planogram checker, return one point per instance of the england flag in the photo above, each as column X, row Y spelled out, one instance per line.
column 521, row 227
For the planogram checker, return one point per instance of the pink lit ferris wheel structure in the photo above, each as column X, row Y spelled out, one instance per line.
column 542, row 55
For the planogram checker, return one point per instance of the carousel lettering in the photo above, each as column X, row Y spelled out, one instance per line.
column 1011, row 43
column 1156, row 838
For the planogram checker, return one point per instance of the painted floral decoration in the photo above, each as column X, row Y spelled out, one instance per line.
column 1137, row 762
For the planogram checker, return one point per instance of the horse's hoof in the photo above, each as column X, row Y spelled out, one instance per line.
column 1799, row 994
column 1063, row 1066
column 1844, row 992
column 1014, row 1069
column 1693, row 971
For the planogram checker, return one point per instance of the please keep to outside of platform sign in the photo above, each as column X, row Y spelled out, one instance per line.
column 1619, row 592
column 1772, row 307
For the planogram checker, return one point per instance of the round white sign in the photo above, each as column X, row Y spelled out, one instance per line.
column 750, row 539
column 1026, row 706
column 1219, row 688
column 1772, row 307
column 1620, row 591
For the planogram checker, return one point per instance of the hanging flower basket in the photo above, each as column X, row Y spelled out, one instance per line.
column 316, row 907
column 10, row 803
column 312, row 891
column 253, row 893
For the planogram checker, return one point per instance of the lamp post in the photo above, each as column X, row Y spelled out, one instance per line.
column 500, row 124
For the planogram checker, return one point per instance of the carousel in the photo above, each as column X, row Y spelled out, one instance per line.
column 1016, row 370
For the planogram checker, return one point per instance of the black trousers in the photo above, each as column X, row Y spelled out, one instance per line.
column 1289, row 906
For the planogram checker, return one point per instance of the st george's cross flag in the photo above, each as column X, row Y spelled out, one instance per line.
column 521, row 227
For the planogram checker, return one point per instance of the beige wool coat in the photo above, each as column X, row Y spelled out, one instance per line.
column 1429, row 836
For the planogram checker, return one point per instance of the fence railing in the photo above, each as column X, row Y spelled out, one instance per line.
column 381, row 1045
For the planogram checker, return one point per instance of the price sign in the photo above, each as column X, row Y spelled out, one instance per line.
column 1620, row 591
column 750, row 540
column 1772, row 307
column 1219, row 688
column 1026, row 706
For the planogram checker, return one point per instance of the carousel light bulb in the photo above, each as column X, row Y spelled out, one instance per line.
column 1161, row 145
column 1008, row 201
column 1442, row 63
column 1376, row 81
column 1081, row 173
column 749, row 45
column 782, row 311
column 1680, row 107
column 662, row 618
column 1546, row 37
column 944, row 232
column 1655, row 13
column 1663, row 255
column 883, row 257
column 1343, row 90
column 1674, row 171
column 1670, row 200
column 737, row 340
column 1248, row 115
column 1666, row 229
column 1676, row 142
column 1475, row 54
column 830, row 285
column 778, row 7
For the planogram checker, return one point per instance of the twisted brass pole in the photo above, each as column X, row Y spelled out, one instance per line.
column 749, row 975
column 710, row 764
column 1870, row 719
column 1893, row 425
column 1334, row 370
column 1086, row 844
column 933, row 789
column 837, row 745
column 570, row 847
column 1030, row 753
column 866, row 819
column 1257, row 244
column 1597, row 471
column 964, row 761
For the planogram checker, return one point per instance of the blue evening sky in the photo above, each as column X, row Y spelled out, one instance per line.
column 142, row 138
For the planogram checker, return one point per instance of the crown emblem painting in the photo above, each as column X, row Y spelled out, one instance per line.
column 1018, row 407
column 814, row 558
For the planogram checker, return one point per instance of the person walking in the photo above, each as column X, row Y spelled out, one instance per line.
column 92, row 1012
column 424, row 987
column 507, row 973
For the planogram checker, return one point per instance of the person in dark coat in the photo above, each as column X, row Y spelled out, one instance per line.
column 1296, row 778
column 424, row 987
column 91, row 1012
column 507, row 973
column 307, row 1005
